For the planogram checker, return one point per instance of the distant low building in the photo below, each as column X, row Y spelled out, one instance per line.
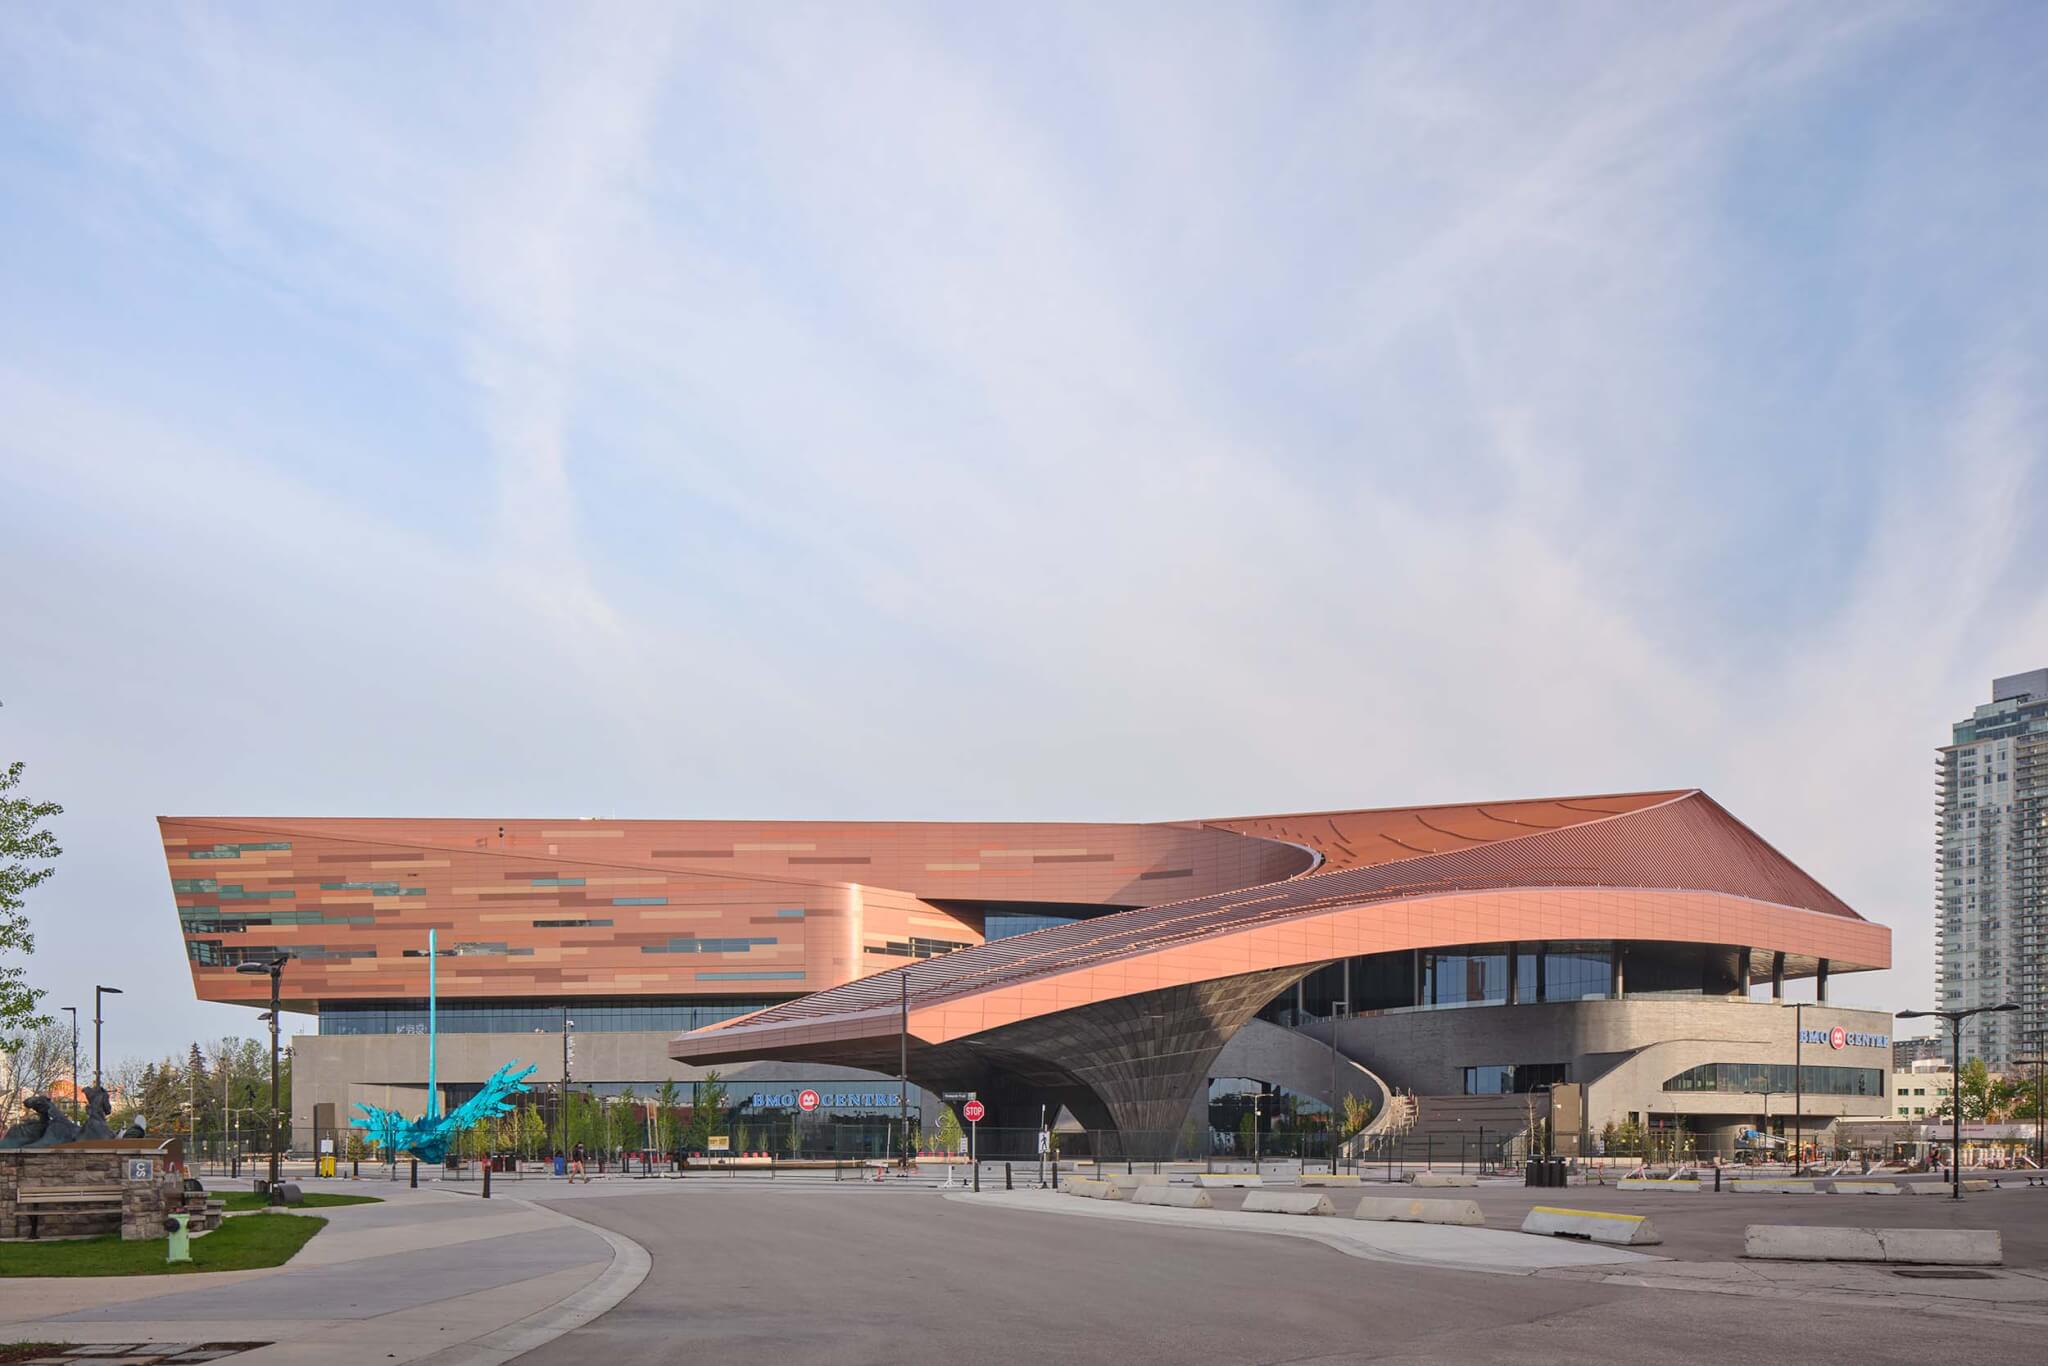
column 1919, row 1092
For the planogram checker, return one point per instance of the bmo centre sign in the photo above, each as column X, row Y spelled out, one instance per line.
column 819, row 1099
column 1839, row 1037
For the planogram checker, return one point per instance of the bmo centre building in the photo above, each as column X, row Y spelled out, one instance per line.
column 1603, row 959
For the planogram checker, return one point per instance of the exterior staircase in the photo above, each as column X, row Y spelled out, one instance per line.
column 1451, row 1128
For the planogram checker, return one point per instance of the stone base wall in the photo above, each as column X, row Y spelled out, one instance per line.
column 147, row 1184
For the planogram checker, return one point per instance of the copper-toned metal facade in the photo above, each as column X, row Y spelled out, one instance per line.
column 1182, row 930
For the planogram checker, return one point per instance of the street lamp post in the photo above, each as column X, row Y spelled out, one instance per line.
column 1798, row 1087
column 1955, row 1020
column 568, row 1055
column 2040, row 1152
column 906, row 1157
column 77, row 1106
column 275, row 967
column 97, row 993
column 1338, row 1010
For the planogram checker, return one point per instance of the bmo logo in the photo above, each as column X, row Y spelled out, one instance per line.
column 1838, row 1037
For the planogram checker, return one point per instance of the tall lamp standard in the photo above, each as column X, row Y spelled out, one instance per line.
column 1339, row 1009
column 77, row 1112
column 275, row 967
column 97, row 993
column 1798, row 1087
column 1955, row 1020
column 2040, row 1154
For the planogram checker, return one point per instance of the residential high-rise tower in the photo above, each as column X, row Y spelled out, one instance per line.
column 1992, row 836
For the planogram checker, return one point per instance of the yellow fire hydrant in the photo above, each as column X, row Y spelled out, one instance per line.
column 180, row 1249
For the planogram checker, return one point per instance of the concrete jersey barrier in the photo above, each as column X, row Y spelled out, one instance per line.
column 1286, row 1202
column 1971, row 1184
column 1227, row 1180
column 1441, row 1179
column 1599, row 1226
column 1756, row 1185
column 1925, row 1246
column 1327, row 1179
column 1868, row 1188
column 1137, row 1181
column 1173, row 1197
column 1658, row 1183
column 1393, row 1209
column 1089, row 1189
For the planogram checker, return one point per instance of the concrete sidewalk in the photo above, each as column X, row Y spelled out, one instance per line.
column 2007, row 1294
column 427, row 1276
column 1462, row 1249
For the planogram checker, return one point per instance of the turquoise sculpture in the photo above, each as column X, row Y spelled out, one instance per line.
column 428, row 1137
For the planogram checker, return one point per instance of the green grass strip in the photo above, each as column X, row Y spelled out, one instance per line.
column 237, row 1245
column 247, row 1200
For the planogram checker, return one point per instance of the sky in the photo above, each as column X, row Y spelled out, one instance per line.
column 1096, row 412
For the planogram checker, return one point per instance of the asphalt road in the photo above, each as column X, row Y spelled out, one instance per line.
column 909, row 1277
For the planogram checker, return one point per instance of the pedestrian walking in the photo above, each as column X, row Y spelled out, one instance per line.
column 576, row 1171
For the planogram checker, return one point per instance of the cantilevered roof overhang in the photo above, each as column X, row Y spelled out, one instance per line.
column 1669, row 867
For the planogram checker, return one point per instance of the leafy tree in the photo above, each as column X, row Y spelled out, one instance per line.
column 1973, row 1089
column 707, row 1113
column 26, row 852
column 533, row 1132
column 1357, row 1114
column 159, row 1096
column 630, row 1132
column 950, row 1132
column 1247, row 1133
column 195, row 1086
column 666, row 1128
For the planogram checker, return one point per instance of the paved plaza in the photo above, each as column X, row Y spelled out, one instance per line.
column 657, row 1271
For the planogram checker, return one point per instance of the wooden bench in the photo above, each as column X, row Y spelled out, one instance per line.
column 34, row 1200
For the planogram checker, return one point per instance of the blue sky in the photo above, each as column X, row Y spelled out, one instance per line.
column 1127, row 412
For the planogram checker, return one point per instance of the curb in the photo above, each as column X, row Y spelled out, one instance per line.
column 629, row 1267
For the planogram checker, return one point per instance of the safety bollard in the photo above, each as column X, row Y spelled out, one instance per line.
column 415, row 1173
column 355, row 1168
column 487, row 1179
column 1006, row 1177
column 977, row 1176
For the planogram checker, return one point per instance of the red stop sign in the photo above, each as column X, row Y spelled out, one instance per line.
column 807, row 1101
column 974, row 1110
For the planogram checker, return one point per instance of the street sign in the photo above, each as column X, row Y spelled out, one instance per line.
column 807, row 1101
column 974, row 1110
column 1044, row 1142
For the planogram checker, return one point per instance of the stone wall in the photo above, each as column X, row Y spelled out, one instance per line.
column 144, row 1176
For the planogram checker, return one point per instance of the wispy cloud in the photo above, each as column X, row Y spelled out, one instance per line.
column 1124, row 414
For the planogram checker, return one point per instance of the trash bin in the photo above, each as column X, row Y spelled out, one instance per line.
column 561, row 1165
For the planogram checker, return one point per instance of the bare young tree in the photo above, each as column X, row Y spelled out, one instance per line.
column 40, row 1060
